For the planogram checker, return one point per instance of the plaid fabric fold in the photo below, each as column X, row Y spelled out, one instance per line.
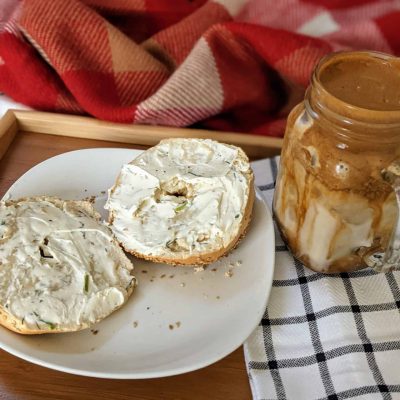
column 223, row 64
column 324, row 336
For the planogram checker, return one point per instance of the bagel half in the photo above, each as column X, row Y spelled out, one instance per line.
column 61, row 269
column 183, row 202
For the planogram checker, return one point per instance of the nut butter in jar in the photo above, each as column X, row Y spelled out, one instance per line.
column 334, row 206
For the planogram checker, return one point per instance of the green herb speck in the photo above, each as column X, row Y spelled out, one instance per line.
column 181, row 206
column 86, row 286
column 50, row 324
column 237, row 216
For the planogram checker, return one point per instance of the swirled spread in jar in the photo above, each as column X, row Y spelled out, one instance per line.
column 332, row 205
column 363, row 81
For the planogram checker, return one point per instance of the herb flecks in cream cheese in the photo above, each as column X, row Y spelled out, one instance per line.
column 184, row 196
column 59, row 268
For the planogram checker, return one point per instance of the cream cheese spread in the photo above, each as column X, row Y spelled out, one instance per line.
column 60, row 269
column 181, row 198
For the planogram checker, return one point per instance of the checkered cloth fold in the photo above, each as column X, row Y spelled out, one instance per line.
column 233, row 65
column 324, row 336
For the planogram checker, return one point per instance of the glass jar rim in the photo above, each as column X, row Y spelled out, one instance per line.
column 318, row 100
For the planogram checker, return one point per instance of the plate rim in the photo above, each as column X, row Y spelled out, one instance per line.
column 154, row 374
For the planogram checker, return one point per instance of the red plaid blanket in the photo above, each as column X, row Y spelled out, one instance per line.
column 222, row 64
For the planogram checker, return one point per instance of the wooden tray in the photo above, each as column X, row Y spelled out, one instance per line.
column 24, row 133
column 146, row 135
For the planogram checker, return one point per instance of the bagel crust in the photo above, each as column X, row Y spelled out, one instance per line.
column 183, row 202
column 61, row 270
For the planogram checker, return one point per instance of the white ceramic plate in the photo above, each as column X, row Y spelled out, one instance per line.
column 177, row 320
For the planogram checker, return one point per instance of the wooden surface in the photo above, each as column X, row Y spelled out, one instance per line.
column 255, row 146
column 19, row 379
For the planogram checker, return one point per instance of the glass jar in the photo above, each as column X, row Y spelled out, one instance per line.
column 335, row 202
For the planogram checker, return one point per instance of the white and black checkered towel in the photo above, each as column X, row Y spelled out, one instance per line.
column 324, row 337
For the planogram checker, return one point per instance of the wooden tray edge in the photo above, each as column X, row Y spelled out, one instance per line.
column 86, row 127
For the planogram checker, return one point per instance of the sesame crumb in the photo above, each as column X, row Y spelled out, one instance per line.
column 183, row 284
column 214, row 270
column 163, row 276
column 218, row 297
column 198, row 269
column 151, row 280
column 171, row 327
column 171, row 276
column 144, row 271
column 147, row 308
column 229, row 273
column 178, row 324
column 103, row 192
column 94, row 331
column 135, row 324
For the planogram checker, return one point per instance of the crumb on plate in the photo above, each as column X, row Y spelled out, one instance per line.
column 229, row 273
